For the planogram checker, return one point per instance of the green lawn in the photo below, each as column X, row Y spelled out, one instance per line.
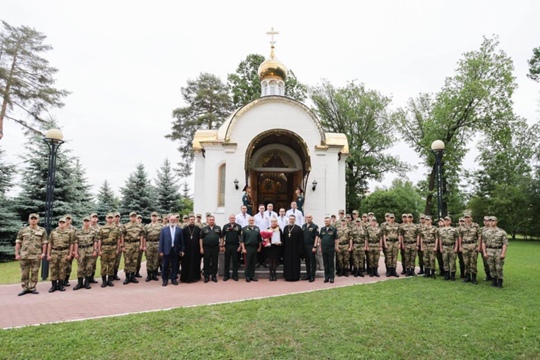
column 411, row 318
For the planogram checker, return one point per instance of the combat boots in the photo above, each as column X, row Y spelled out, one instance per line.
column 453, row 276
column 110, row 279
column 500, row 283
column 446, row 275
column 134, row 278
column 421, row 272
column 473, row 279
column 115, row 276
column 361, row 272
column 376, row 272
column 128, row 278
column 427, row 273
column 155, row 276
column 79, row 284
column 148, row 276
column 394, row 272
column 92, row 279
column 467, row 278
column 61, row 285
column 138, row 273
column 87, row 282
column 54, row 286
column 433, row 272
column 488, row 277
column 103, row 281
column 66, row 281
column 493, row 282
column 346, row 273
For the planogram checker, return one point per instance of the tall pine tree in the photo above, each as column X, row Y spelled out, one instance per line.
column 106, row 201
column 137, row 194
column 168, row 195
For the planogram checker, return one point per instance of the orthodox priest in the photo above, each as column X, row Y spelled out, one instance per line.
column 293, row 249
column 191, row 261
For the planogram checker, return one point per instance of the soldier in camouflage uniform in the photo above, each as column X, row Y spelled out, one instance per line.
column 95, row 228
column 30, row 248
column 86, row 251
column 358, row 252
column 420, row 253
column 109, row 244
column 429, row 239
column 390, row 235
column 439, row 252
column 459, row 253
column 494, row 249
column 383, row 225
column 344, row 248
column 152, row 246
column 140, row 255
column 408, row 238
column 484, row 259
column 401, row 249
column 69, row 263
column 449, row 242
column 198, row 221
column 373, row 244
column 133, row 236
column 118, row 258
column 59, row 252
column 469, row 245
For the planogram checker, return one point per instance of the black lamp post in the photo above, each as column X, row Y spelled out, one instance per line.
column 437, row 147
column 53, row 139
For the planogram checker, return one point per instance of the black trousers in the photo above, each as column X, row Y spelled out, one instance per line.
column 311, row 261
column 210, row 260
column 172, row 261
column 231, row 254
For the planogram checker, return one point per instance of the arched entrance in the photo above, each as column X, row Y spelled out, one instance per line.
column 277, row 161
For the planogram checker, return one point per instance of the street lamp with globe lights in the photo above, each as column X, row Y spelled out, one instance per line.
column 53, row 139
column 437, row 147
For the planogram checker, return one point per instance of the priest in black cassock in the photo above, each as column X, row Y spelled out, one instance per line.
column 293, row 248
column 191, row 261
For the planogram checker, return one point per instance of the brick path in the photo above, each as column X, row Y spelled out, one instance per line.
column 143, row 297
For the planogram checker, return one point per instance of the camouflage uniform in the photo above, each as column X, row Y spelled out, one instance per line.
column 483, row 230
column 86, row 240
column 31, row 241
column 449, row 236
column 469, row 235
column 61, row 243
column 344, row 245
column 391, row 233
column 495, row 240
column 409, row 234
column 429, row 236
column 132, row 234
column 152, row 247
column 108, row 237
column 95, row 228
column 69, row 263
column 118, row 257
column 373, row 240
column 419, row 252
column 358, row 254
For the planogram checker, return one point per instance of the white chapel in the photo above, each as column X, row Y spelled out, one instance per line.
column 273, row 144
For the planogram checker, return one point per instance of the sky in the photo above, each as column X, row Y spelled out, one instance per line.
column 126, row 61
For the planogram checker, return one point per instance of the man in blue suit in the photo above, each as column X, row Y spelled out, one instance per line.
column 171, row 244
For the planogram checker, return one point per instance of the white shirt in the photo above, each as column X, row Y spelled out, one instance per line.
column 242, row 219
column 283, row 221
column 173, row 232
column 270, row 214
column 298, row 215
column 262, row 221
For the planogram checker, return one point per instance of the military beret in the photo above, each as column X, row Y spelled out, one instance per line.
column 355, row 212
column 110, row 215
column 33, row 215
column 86, row 218
column 62, row 219
column 448, row 218
column 133, row 213
column 154, row 213
column 93, row 214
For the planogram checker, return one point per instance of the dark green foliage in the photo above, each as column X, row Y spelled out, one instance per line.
column 401, row 198
column 137, row 195
column 534, row 65
column 106, row 201
column 167, row 189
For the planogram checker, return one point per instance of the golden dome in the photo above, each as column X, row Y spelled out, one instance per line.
column 272, row 67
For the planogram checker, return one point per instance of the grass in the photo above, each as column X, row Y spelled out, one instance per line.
column 412, row 318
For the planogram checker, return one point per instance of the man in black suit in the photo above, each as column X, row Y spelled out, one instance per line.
column 171, row 244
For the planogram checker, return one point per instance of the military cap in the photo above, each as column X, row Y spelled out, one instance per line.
column 387, row 215
column 403, row 215
column 441, row 219
column 86, row 218
column 154, row 213
column 493, row 218
column 391, row 216
column 466, row 213
column 374, row 219
column 348, row 215
column 68, row 216
column 62, row 219
column 133, row 213
column 139, row 216
column 208, row 214
column 117, row 214
column 364, row 215
column 422, row 216
column 370, row 213
column 355, row 212
column 93, row 214
column 343, row 220
column 342, row 211
column 333, row 216
column 427, row 217
column 410, row 215
column 110, row 215
column 358, row 220
column 461, row 219
column 448, row 218
column 486, row 217
column 185, row 217
column 199, row 215
column 33, row 215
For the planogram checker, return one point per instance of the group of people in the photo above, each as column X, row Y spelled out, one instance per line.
column 345, row 244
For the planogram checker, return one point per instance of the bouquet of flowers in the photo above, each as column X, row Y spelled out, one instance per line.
column 267, row 236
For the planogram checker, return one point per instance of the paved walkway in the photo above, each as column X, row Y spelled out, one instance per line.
column 145, row 296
